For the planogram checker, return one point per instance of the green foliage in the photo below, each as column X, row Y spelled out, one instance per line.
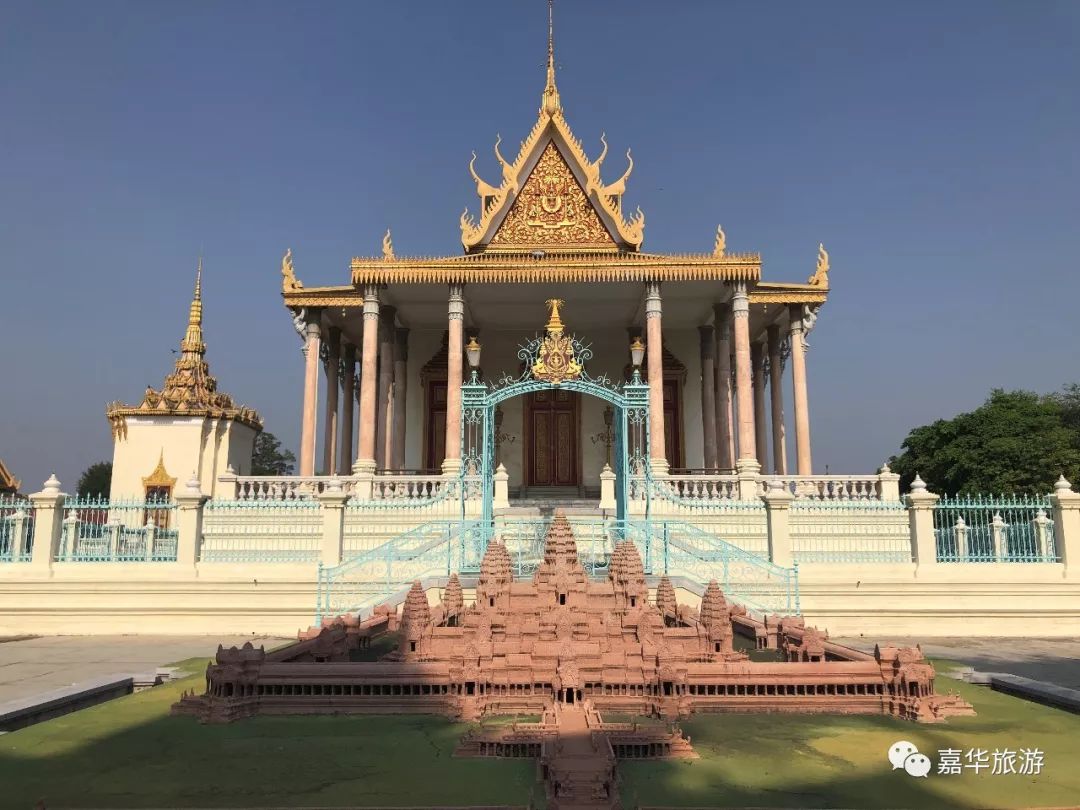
column 1015, row 442
column 96, row 480
column 268, row 458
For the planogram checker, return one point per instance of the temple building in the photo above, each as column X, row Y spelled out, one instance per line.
column 9, row 484
column 187, row 428
column 391, row 343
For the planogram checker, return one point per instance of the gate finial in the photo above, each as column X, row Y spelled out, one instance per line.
column 555, row 323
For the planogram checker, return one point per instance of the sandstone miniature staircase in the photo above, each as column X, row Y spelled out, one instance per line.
column 581, row 774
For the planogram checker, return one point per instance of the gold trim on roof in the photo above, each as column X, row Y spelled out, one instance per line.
column 159, row 477
column 605, row 199
column 541, row 266
column 191, row 390
column 821, row 274
column 787, row 297
column 289, row 281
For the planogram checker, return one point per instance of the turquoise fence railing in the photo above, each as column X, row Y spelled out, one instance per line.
column 439, row 548
column 100, row 530
column 16, row 529
column 262, row 531
column 994, row 528
column 677, row 548
column 862, row 531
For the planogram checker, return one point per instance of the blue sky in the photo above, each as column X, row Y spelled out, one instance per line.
column 933, row 147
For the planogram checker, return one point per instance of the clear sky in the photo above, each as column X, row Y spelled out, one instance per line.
column 933, row 147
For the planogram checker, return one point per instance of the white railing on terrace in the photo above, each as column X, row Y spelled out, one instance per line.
column 700, row 488
column 403, row 489
column 826, row 487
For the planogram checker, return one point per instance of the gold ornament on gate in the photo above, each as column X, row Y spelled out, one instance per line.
column 555, row 361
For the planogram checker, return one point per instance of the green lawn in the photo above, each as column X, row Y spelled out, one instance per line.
column 130, row 753
column 808, row 761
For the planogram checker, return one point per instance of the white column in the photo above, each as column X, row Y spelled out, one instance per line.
column 708, row 394
column 385, row 435
column 348, row 408
column 311, row 393
column 48, row 526
column 654, row 349
column 725, row 410
column 776, row 392
column 189, row 517
column 740, row 311
column 401, row 365
column 798, row 382
column 761, row 440
column 330, row 423
column 365, row 450
column 455, row 354
column 920, row 504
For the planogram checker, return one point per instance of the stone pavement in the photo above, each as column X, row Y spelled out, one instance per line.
column 1055, row 660
column 30, row 666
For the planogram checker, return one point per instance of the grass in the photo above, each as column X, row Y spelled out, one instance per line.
column 822, row 761
column 130, row 753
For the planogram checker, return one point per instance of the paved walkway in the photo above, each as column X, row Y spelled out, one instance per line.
column 1056, row 660
column 31, row 666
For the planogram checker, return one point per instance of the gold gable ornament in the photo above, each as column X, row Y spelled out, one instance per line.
column 555, row 361
column 159, row 477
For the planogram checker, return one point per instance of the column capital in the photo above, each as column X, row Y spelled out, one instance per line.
column 653, row 302
column 371, row 301
column 740, row 301
column 456, row 302
column 313, row 329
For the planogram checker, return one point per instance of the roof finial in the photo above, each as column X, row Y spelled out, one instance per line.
column 550, row 100
column 192, row 345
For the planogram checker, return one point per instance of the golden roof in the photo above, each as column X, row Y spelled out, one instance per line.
column 190, row 390
column 550, row 219
column 8, row 482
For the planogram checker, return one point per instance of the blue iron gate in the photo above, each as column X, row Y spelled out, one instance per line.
column 630, row 402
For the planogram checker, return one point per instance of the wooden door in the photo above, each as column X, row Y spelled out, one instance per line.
column 552, row 439
column 435, row 426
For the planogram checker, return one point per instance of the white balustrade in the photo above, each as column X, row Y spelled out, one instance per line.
column 826, row 487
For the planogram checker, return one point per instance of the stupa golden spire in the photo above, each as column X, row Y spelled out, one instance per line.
column 549, row 102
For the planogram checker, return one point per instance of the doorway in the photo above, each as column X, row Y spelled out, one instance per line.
column 552, row 425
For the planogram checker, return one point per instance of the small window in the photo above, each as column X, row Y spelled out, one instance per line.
column 491, row 602
column 562, row 598
column 633, row 601
column 412, row 646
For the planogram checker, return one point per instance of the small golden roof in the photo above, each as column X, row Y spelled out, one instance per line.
column 191, row 390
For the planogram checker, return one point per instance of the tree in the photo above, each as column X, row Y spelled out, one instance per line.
column 96, row 480
column 1015, row 442
column 268, row 458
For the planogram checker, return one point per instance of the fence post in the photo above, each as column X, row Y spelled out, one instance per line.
column 997, row 535
column 749, row 480
column 607, row 488
column 1066, row 505
column 920, row 505
column 48, row 523
column 333, row 500
column 888, row 485
column 501, row 480
column 190, row 503
column 777, row 515
column 1041, row 524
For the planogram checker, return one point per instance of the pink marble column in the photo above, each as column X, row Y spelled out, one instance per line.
column 804, row 466
column 776, row 392
column 348, row 406
column 455, row 356
column 401, row 367
column 384, row 436
column 744, row 389
column 654, row 352
column 761, row 440
column 365, row 450
column 708, row 394
column 725, row 410
column 331, row 366
column 311, row 393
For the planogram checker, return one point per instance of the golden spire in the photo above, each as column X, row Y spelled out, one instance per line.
column 555, row 323
column 193, row 338
column 549, row 102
